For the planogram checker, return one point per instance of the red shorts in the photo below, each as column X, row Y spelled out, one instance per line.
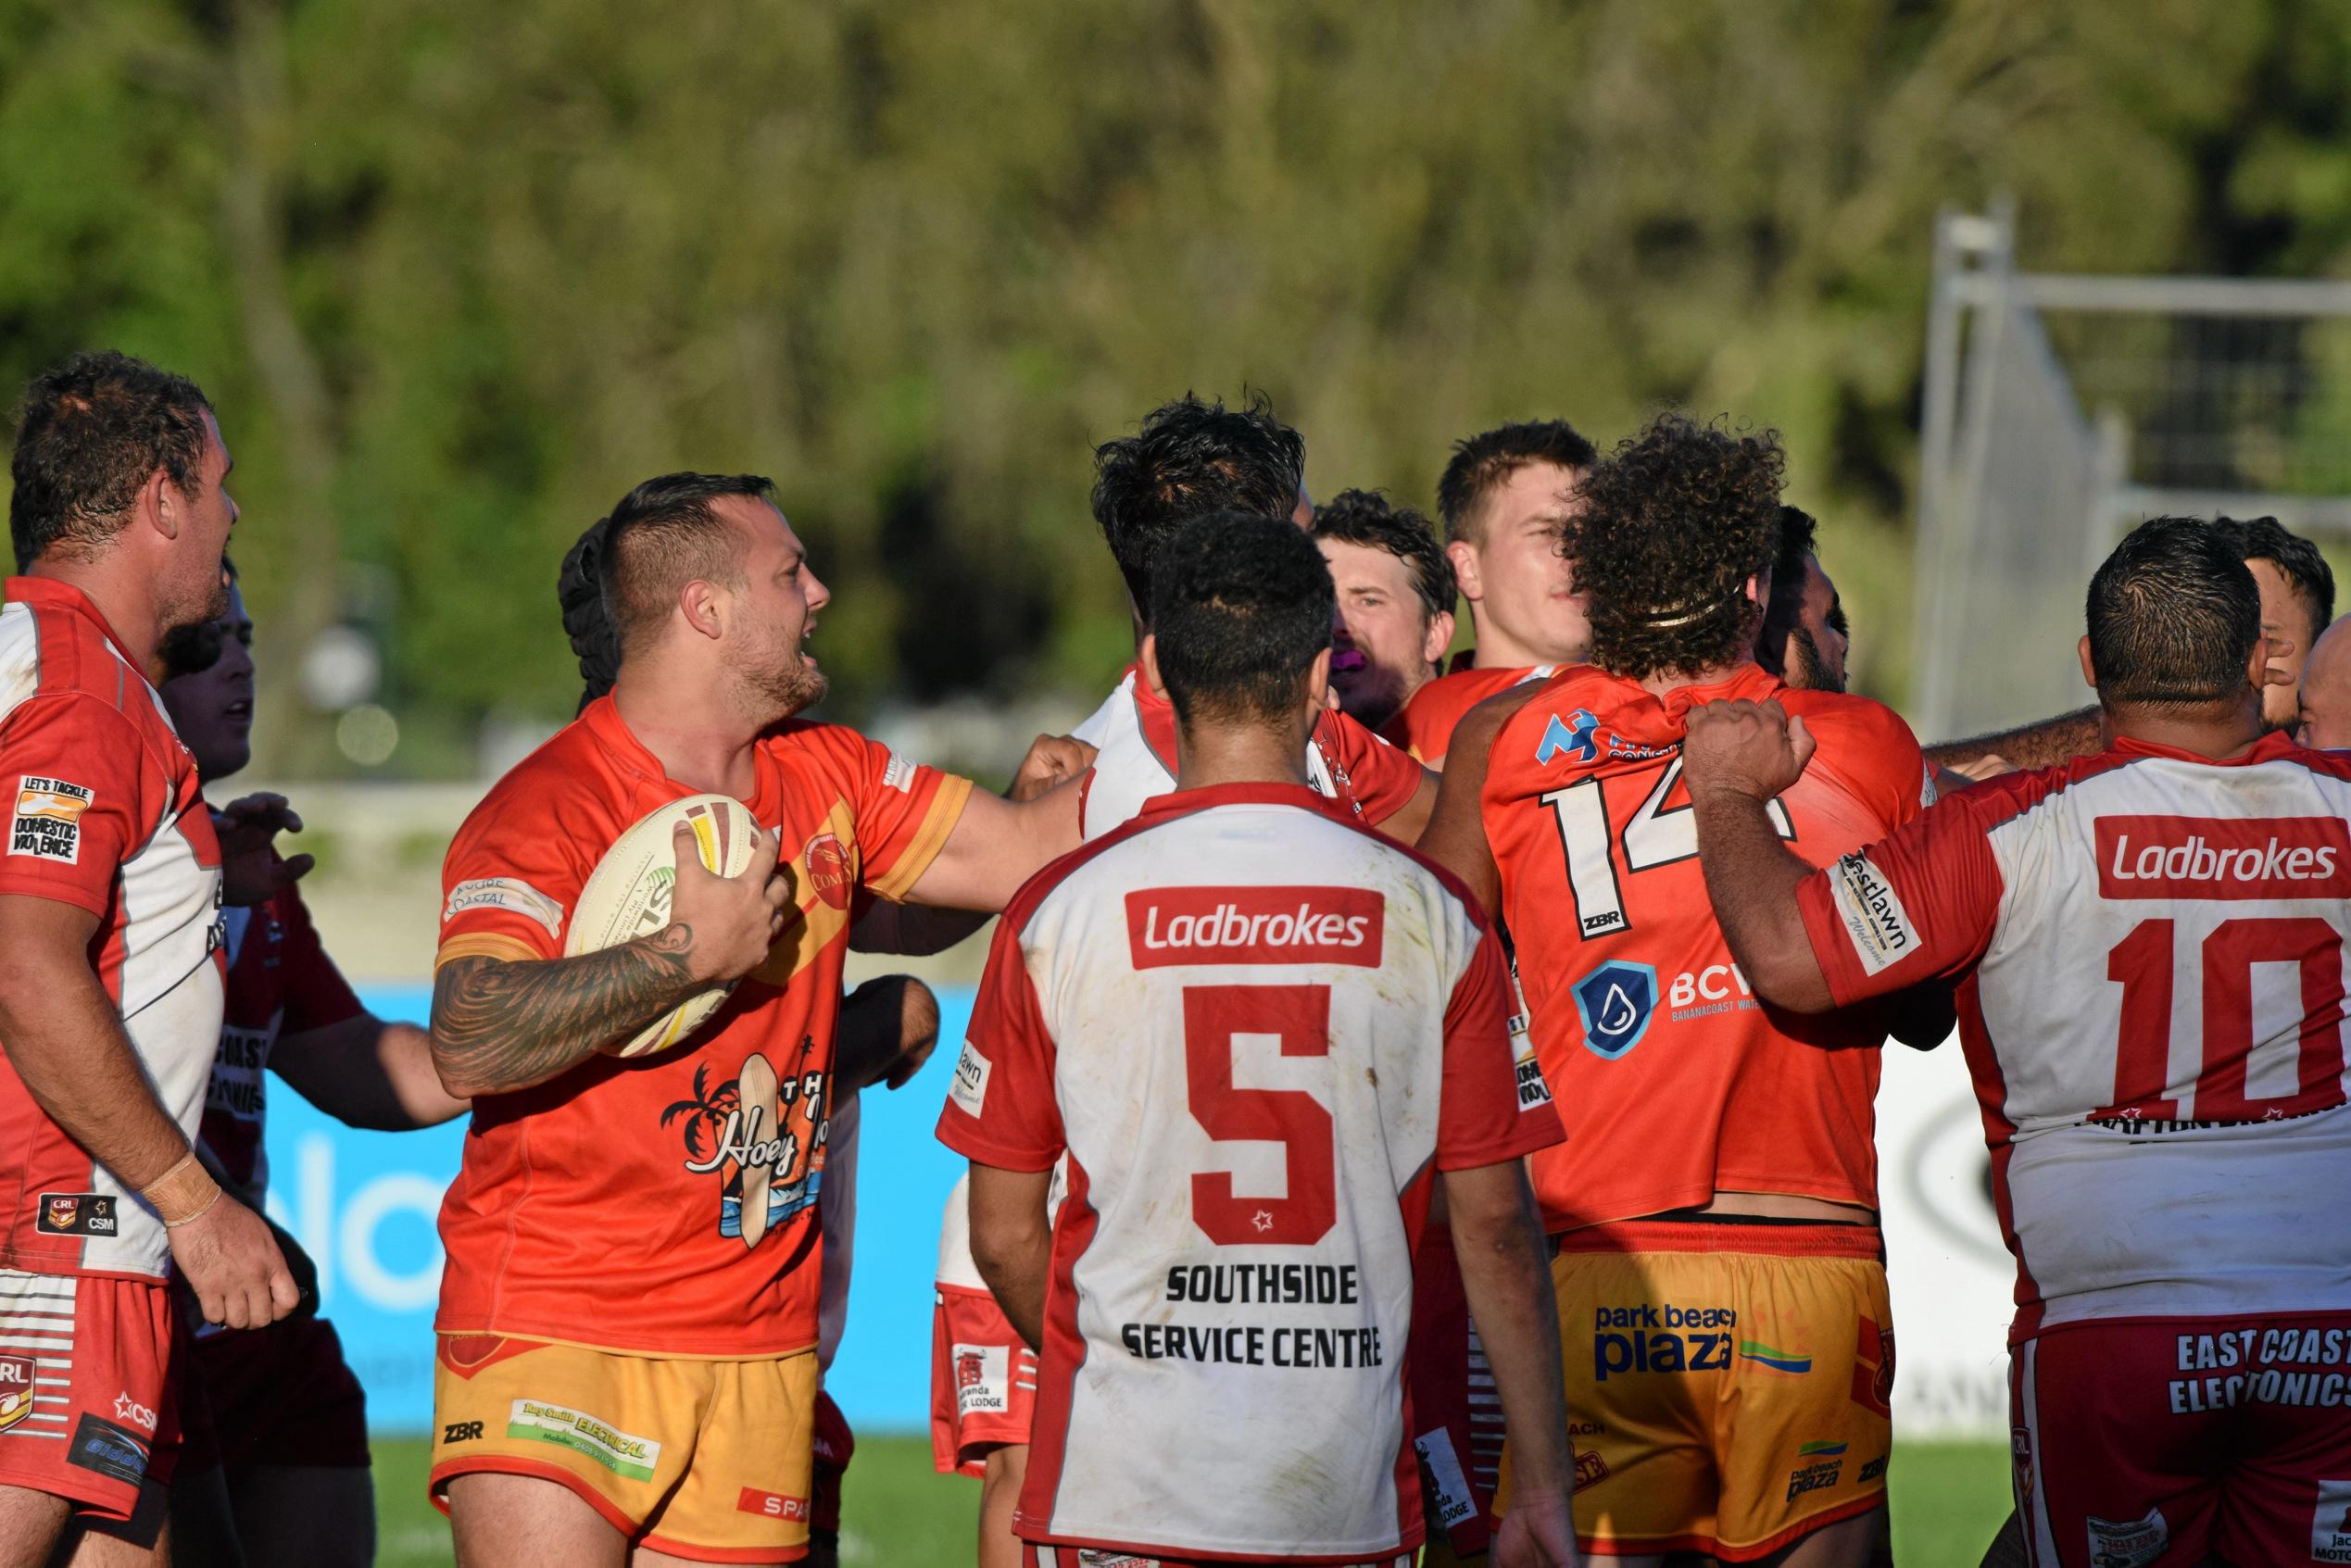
column 833, row 1445
column 983, row 1380
column 1456, row 1417
column 2159, row 1440
column 282, row 1395
column 1035, row 1555
column 87, row 1412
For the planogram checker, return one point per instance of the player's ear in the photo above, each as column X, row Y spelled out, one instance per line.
column 1319, row 695
column 2090, row 670
column 1147, row 660
column 158, row 503
column 1758, row 588
column 699, row 600
column 1465, row 561
column 1438, row 638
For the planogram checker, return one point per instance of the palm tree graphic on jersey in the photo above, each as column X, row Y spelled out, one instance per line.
column 761, row 1135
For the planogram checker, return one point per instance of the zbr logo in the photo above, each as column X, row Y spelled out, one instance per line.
column 1616, row 1001
column 1578, row 738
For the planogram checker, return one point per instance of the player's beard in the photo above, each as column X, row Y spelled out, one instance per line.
column 182, row 613
column 1813, row 673
column 776, row 681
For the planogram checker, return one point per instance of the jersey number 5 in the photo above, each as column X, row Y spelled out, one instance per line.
column 1656, row 836
column 1299, row 1017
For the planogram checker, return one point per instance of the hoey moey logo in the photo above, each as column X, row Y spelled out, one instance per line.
column 2201, row 857
column 617, row 1451
column 1216, row 925
column 762, row 1135
column 48, row 823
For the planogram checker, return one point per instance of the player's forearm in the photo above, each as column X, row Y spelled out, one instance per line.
column 1455, row 839
column 912, row 932
column 1752, row 879
column 1407, row 825
column 1505, row 1275
column 64, row 1038
column 996, row 845
column 365, row 1073
column 1015, row 1257
column 2042, row 744
column 500, row 1025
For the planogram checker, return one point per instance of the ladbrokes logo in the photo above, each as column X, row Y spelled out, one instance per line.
column 2198, row 858
column 1205, row 925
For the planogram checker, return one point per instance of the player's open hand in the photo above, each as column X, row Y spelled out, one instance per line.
column 252, row 871
column 1050, row 760
column 1750, row 748
column 232, row 1264
column 731, row 920
column 1539, row 1532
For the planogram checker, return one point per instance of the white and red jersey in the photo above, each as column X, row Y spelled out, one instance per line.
column 1223, row 1016
column 104, row 814
column 279, row 983
column 1134, row 737
column 2150, row 952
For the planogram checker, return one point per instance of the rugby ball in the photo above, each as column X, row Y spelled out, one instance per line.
column 628, row 896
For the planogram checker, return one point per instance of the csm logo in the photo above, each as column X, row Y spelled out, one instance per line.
column 1616, row 1001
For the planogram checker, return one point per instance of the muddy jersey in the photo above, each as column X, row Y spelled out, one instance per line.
column 102, row 813
column 2150, row 950
column 1134, row 732
column 1646, row 1031
column 280, row 982
column 608, row 1205
column 1257, row 1031
column 1425, row 725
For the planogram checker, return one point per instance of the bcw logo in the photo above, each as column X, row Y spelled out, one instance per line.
column 1211, row 925
column 2200, row 858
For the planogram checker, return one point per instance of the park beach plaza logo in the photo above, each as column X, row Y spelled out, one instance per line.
column 617, row 1451
column 47, row 824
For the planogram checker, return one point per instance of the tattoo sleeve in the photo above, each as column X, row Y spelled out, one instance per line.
column 2042, row 744
column 500, row 1025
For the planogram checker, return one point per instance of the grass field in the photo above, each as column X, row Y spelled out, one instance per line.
column 1948, row 1498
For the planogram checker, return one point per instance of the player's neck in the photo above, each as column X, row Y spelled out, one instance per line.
column 2217, row 731
column 1496, row 649
column 1240, row 754
column 694, row 728
column 122, row 595
column 1663, row 683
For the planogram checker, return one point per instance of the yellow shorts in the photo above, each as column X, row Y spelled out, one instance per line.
column 1728, row 1384
column 704, row 1460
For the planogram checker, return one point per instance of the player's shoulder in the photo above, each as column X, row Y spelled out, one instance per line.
column 570, row 780
column 1855, row 719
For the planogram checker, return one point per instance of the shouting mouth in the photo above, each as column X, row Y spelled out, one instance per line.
column 1347, row 661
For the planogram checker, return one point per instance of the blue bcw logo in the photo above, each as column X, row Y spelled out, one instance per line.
column 1578, row 738
column 1616, row 1001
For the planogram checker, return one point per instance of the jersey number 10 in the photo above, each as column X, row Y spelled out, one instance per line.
column 1656, row 836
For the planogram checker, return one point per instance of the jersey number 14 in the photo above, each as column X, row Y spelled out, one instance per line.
column 1658, row 836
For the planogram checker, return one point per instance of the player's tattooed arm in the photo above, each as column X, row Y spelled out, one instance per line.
column 2042, row 744
column 503, row 1024
column 1737, row 759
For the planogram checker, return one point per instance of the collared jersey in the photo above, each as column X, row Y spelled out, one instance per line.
column 1674, row 1081
column 104, row 814
column 1257, row 1030
column 280, row 982
column 1425, row 725
column 2150, row 952
column 604, row 1207
column 1134, row 734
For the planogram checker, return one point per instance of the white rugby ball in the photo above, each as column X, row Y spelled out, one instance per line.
column 628, row 896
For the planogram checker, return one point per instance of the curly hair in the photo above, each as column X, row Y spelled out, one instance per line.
column 1674, row 522
column 88, row 433
column 1189, row 458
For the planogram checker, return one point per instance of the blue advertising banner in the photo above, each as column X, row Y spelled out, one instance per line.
column 364, row 1205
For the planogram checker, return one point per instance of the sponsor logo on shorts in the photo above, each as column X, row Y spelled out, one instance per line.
column 772, row 1505
column 983, row 1380
column 970, row 1087
column 508, row 893
column 2200, row 858
column 2128, row 1543
column 1873, row 1368
column 129, row 1410
column 1874, row 1469
column 2020, row 1461
column 16, row 1374
column 47, row 825
column 1590, row 1468
column 461, row 1432
column 1818, row 1467
column 1442, row 1464
column 829, row 871
column 620, row 1452
column 1088, row 1557
column 1875, row 921
column 2331, row 1523
column 113, row 1452
column 1765, row 1355
column 1256, row 925
column 1660, row 1338
column 76, row 1213
column 1616, row 1002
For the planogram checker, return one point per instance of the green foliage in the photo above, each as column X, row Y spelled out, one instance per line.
column 460, row 274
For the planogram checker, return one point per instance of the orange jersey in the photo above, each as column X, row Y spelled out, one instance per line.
column 1673, row 1079
column 1425, row 726
column 603, row 1207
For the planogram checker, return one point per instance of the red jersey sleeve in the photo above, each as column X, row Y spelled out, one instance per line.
column 316, row 993
column 1878, row 758
column 1915, row 907
column 1001, row 1110
column 1383, row 778
column 512, row 875
column 86, row 796
column 904, row 810
column 1489, row 1113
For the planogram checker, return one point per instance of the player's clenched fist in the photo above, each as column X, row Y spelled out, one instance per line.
column 731, row 920
column 1539, row 1532
column 1750, row 748
column 232, row 1264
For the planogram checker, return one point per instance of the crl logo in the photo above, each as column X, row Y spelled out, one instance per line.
column 1580, row 738
column 1616, row 1001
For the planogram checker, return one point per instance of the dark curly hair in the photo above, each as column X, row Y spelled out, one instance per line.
column 1674, row 522
column 1240, row 606
column 1367, row 516
column 1190, row 457
column 88, row 433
